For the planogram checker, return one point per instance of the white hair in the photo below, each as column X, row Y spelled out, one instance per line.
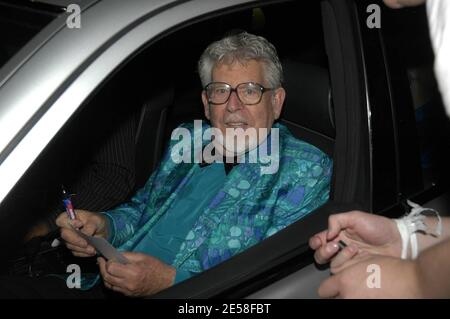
column 241, row 47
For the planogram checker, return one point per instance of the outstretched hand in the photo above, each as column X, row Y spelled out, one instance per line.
column 361, row 232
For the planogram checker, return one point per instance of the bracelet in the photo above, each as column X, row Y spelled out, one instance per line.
column 412, row 223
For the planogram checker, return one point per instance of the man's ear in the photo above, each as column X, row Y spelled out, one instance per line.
column 205, row 105
column 277, row 102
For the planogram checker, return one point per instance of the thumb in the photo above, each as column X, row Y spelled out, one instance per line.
column 90, row 228
column 61, row 220
column 75, row 223
column 318, row 240
column 342, row 259
column 339, row 222
column 140, row 258
column 132, row 257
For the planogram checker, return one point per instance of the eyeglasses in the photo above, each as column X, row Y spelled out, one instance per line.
column 248, row 93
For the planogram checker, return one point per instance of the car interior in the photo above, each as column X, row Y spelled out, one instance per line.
column 158, row 88
column 165, row 92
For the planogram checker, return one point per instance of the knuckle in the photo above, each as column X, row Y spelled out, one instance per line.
column 106, row 276
column 319, row 258
column 356, row 213
column 63, row 234
column 131, row 286
column 334, row 269
column 331, row 219
column 109, row 267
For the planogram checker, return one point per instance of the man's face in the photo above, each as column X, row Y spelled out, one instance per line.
column 234, row 114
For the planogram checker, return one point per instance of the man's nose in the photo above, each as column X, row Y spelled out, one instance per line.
column 234, row 103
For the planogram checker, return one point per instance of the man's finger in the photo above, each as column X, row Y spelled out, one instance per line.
column 89, row 250
column 329, row 287
column 76, row 254
column 318, row 240
column 107, row 285
column 326, row 252
column 61, row 220
column 107, row 276
column 340, row 222
column 398, row 4
column 104, row 273
column 76, row 223
column 118, row 270
column 89, row 229
column 122, row 290
column 342, row 258
column 136, row 257
column 73, row 238
column 101, row 262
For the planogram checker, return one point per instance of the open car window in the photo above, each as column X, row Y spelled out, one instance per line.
column 408, row 42
column 157, row 88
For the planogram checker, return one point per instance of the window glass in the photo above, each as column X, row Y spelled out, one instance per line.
column 408, row 35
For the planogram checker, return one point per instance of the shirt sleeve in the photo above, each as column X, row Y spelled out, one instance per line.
column 123, row 220
column 308, row 194
column 182, row 275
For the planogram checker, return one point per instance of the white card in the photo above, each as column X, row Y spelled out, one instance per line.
column 104, row 248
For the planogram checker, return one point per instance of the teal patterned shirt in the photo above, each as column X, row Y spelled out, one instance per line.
column 247, row 208
column 163, row 241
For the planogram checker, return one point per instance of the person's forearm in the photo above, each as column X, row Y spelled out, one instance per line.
column 426, row 241
column 433, row 267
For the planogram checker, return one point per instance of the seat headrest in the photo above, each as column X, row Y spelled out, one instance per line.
column 308, row 102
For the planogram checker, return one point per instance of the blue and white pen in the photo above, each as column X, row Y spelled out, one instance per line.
column 69, row 210
column 68, row 204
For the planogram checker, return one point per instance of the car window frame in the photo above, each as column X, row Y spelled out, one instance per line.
column 64, row 99
column 74, row 94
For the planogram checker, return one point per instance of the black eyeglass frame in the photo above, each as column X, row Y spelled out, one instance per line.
column 262, row 89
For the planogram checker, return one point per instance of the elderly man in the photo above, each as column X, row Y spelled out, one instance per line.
column 193, row 214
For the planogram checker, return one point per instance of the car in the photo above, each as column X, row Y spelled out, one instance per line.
column 359, row 86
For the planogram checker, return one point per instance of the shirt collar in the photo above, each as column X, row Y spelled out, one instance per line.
column 227, row 166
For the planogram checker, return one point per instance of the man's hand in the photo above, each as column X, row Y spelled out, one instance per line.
column 92, row 224
column 397, row 4
column 361, row 232
column 143, row 276
column 398, row 279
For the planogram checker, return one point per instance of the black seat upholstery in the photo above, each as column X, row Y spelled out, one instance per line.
column 308, row 108
column 160, row 115
column 150, row 133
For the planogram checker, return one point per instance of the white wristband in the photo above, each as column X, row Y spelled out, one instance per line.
column 403, row 230
column 412, row 223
